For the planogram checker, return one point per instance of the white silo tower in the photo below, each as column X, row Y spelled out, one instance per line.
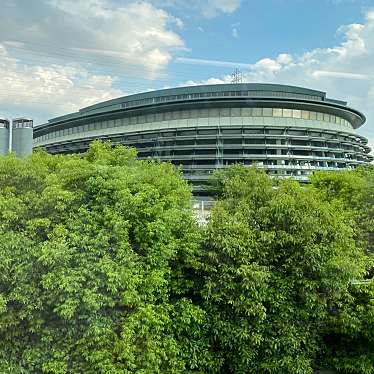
column 22, row 136
column 4, row 136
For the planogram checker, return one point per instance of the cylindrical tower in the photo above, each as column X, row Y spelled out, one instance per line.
column 4, row 136
column 22, row 136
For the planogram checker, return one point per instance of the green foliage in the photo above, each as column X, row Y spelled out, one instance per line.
column 104, row 270
column 355, row 189
column 348, row 337
column 91, row 251
column 276, row 261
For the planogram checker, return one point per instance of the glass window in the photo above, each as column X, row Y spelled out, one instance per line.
column 235, row 112
column 320, row 116
column 333, row 119
column 194, row 113
column 167, row 133
column 148, row 136
column 133, row 120
column 313, row 115
column 230, row 131
column 257, row 112
column 203, row 113
column 287, row 113
column 207, row 132
column 253, row 131
column 213, row 112
column 141, row 119
column 224, row 112
column 297, row 132
column 186, row 133
column 305, row 114
column 254, row 141
column 267, row 112
column 274, row 131
column 246, row 112
column 296, row 113
column 151, row 117
column 277, row 112
column 326, row 117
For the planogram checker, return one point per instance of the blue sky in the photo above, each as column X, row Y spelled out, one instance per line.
column 57, row 56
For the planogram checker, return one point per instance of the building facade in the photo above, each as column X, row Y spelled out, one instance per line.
column 22, row 136
column 16, row 137
column 289, row 131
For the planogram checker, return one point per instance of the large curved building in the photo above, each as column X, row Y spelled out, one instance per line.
column 290, row 131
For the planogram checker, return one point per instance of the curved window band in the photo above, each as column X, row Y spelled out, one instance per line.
column 200, row 113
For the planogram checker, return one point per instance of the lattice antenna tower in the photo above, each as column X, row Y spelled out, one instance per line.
column 237, row 76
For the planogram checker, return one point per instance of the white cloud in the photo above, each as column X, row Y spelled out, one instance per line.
column 284, row 58
column 55, row 89
column 137, row 33
column 53, row 52
column 212, row 8
column 206, row 8
column 235, row 33
column 339, row 74
column 345, row 71
column 196, row 61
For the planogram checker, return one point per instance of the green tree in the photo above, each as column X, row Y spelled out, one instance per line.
column 276, row 261
column 348, row 337
column 93, row 252
column 349, row 332
column 355, row 189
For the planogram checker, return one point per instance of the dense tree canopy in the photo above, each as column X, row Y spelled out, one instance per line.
column 355, row 189
column 278, row 260
column 104, row 270
column 90, row 250
column 349, row 333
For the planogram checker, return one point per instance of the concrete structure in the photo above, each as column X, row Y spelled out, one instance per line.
column 290, row 131
column 22, row 136
column 4, row 136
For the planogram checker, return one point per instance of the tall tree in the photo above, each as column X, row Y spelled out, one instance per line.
column 92, row 256
column 355, row 189
column 348, row 337
column 277, row 259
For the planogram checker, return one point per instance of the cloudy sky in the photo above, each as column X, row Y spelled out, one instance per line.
column 57, row 56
